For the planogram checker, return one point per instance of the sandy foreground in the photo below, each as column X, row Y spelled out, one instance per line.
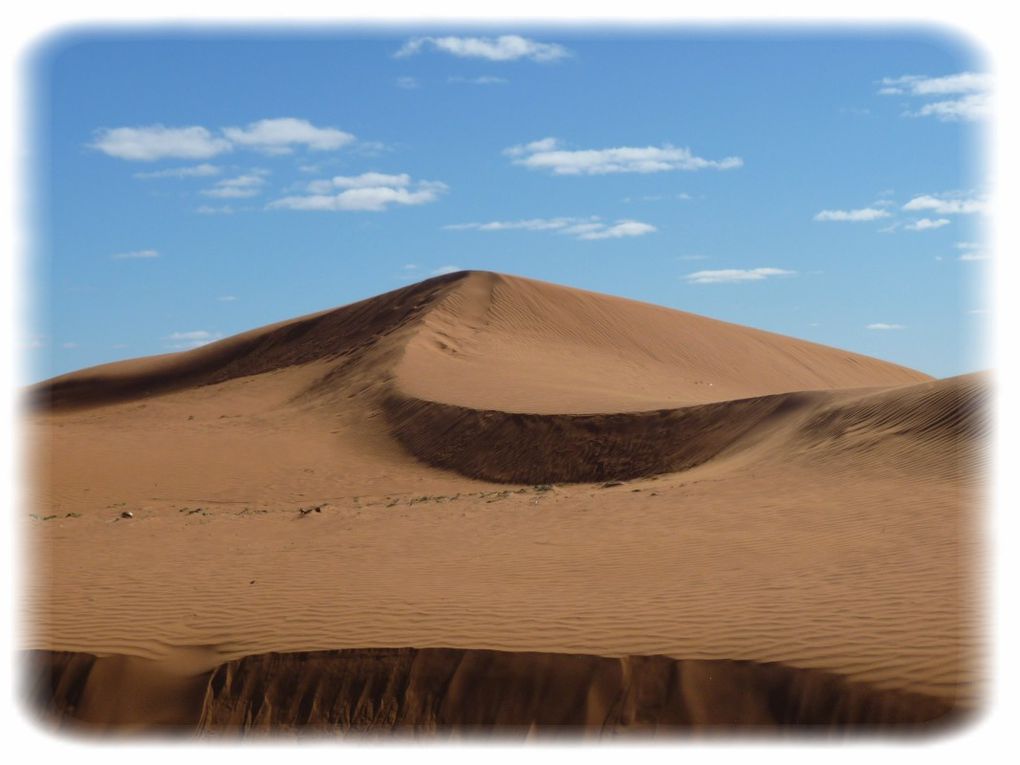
column 488, row 504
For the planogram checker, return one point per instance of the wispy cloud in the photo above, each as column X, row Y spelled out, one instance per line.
column 192, row 339
column 948, row 204
column 135, row 254
column 736, row 275
column 970, row 95
column 618, row 230
column 241, row 187
column 852, row 216
column 547, row 154
column 227, row 298
column 968, row 109
column 215, row 210
column 883, row 326
column 972, row 251
column 682, row 196
column 194, row 171
column 363, row 181
column 407, row 83
column 372, row 192
column 927, row 224
column 502, row 48
column 920, row 85
column 591, row 228
column 443, row 270
column 484, row 80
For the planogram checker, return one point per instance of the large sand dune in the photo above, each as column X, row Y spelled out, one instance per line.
column 504, row 469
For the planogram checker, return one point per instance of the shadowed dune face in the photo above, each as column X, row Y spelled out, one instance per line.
column 929, row 427
column 339, row 336
column 525, row 482
column 462, row 693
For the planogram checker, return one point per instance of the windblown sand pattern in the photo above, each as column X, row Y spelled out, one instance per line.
column 487, row 503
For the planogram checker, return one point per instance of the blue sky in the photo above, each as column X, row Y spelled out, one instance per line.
column 818, row 184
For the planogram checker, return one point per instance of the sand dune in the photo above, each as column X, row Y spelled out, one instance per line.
column 483, row 463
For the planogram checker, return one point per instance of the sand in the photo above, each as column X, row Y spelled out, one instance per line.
column 491, row 499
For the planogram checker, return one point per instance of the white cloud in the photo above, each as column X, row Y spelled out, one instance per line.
column 927, row 224
column 967, row 109
column 269, row 136
column 365, row 180
column 135, row 254
column 882, row 326
column 917, row 85
column 683, row 195
column 546, row 154
column 529, row 224
column 198, row 334
column 195, row 171
column 541, row 145
column 371, row 192
column 618, row 230
column 972, row 251
column 226, row 298
column 591, row 228
column 152, row 142
column 443, row 270
column 484, row 80
column 407, row 83
column 972, row 89
column 852, row 216
column 192, row 339
column 735, row 275
column 948, row 204
column 502, row 48
column 211, row 210
column 281, row 135
column 241, row 187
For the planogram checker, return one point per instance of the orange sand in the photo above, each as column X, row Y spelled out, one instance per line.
column 772, row 501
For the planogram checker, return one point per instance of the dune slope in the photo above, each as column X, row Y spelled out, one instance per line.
column 488, row 469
